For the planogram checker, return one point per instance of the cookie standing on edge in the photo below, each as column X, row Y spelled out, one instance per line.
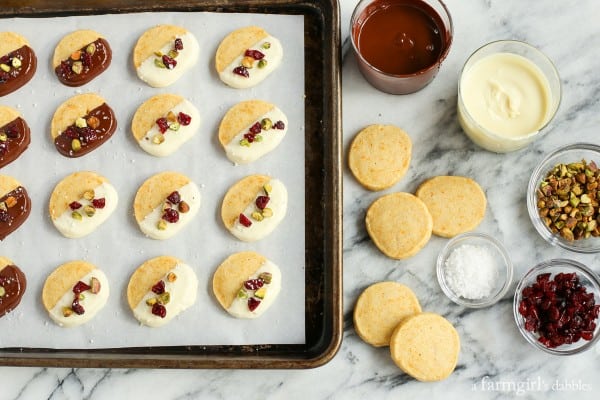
column 379, row 156
column 15, row 135
column 253, row 207
column 15, row 205
column 164, row 123
column 81, row 124
column 74, row 293
column 18, row 62
column 457, row 204
column 246, row 284
column 81, row 202
column 399, row 224
column 12, row 286
column 247, row 56
column 80, row 57
column 380, row 308
column 164, row 53
column 251, row 129
column 165, row 203
column 160, row 289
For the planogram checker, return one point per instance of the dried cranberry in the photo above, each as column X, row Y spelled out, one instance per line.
column 184, row 119
column 87, row 135
column 169, row 62
column 256, row 128
column 86, row 59
column 11, row 132
column 253, row 302
column 171, row 215
column 3, row 148
column 159, row 310
column 279, row 125
column 81, row 287
column 254, row 284
column 159, row 287
column 75, row 205
column 249, row 137
column 99, row 203
column 71, row 133
column 77, row 308
column 257, row 55
column 245, row 221
column 174, row 197
column 242, row 71
column 262, row 201
column 163, row 124
column 65, row 68
column 178, row 44
column 4, row 216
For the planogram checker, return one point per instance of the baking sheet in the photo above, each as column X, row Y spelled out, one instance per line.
column 118, row 246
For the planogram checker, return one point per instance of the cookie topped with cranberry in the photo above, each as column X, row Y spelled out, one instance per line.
column 12, row 286
column 81, row 124
column 18, row 62
column 251, row 129
column 15, row 135
column 164, row 53
column 15, row 205
column 80, row 57
column 247, row 56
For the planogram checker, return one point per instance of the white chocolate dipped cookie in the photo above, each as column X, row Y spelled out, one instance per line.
column 254, row 206
column 165, row 203
column 246, row 284
column 164, row 53
column 163, row 123
column 247, row 56
column 81, row 202
column 160, row 289
column 251, row 129
column 74, row 293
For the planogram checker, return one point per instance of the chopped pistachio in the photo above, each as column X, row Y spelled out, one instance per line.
column 242, row 294
column 77, row 67
column 4, row 67
column 3, row 137
column 268, row 189
column 258, row 138
column 89, row 210
column 151, row 301
column 88, row 195
column 90, row 49
column 247, row 62
column 158, row 138
column 164, row 298
column 245, row 143
column 257, row 216
column 95, row 285
column 158, row 54
column 171, row 277
column 3, row 206
column 260, row 293
column 266, row 124
column 262, row 63
column 174, row 126
column 266, row 45
column 171, row 117
column 76, row 216
column 81, row 122
column 161, row 225
column 266, row 277
column 159, row 63
column 2, row 291
column 67, row 311
column 267, row 212
column 16, row 62
column 75, row 145
column 173, row 53
column 585, row 199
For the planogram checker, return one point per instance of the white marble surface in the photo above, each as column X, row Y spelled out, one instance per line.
column 494, row 355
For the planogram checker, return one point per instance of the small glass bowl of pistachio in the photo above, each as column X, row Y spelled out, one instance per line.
column 563, row 198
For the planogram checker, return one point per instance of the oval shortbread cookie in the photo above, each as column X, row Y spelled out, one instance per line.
column 81, row 202
column 254, row 206
column 80, row 57
column 81, row 124
column 379, row 156
column 12, row 283
column 246, row 284
column 165, row 203
column 399, row 224
column 15, row 205
column 18, row 62
column 380, row 308
column 15, row 135
column 164, row 123
column 74, row 293
column 164, row 53
column 457, row 204
column 160, row 289
column 247, row 56
column 251, row 129
column 426, row 347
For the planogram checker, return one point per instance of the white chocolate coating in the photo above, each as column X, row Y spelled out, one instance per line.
column 239, row 307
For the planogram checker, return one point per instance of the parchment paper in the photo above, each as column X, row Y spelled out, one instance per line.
column 118, row 247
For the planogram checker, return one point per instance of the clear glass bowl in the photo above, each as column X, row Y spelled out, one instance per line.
column 503, row 265
column 587, row 278
column 567, row 154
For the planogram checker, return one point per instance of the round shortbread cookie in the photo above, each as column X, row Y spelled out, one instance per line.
column 379, row 156
column 163, row 123
column 81, row 202
column 80, row 57
column 63, row 290
column 15, row 135
column 165, row 203
column 247, row 56
column 13, row 283
column 425, row 346
column 251, row 129
column 15, row 205
column 19, row 62
column 399, row 224
column 253, row 207
column 380, row 308
column 164, row 53
column 457, row 204
column 246, row 284
column 160, row 289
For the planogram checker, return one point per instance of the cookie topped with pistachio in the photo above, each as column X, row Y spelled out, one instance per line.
column 15, row 135
column 15, row 205
column 18, row 62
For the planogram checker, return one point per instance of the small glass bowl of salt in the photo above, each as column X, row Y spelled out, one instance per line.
column 474, row 270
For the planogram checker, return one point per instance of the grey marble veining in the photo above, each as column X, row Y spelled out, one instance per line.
column 495, row 361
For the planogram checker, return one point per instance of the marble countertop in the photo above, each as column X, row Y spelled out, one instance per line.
column 495, row 361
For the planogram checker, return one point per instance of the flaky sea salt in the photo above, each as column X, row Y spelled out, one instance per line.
column 471, row 271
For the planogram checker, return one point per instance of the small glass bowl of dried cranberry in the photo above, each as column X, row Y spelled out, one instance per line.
column 556, row 307
column 563, row 198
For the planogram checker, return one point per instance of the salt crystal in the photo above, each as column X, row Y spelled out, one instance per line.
column 471, row 271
